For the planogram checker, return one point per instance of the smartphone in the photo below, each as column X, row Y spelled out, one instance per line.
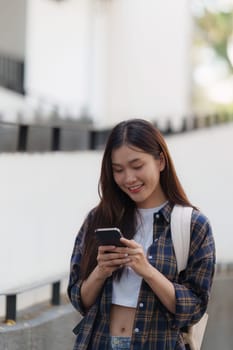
column 109, row 236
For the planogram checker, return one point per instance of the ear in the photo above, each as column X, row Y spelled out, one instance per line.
column 162, row 162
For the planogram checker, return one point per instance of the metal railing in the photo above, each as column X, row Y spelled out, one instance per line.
column 25, row 137
column 12, row 293
column 28, row 137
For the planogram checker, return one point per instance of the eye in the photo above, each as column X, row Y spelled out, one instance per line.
column 138, row 167
column 117, row 170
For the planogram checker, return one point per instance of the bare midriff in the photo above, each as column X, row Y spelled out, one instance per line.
column 121, row 320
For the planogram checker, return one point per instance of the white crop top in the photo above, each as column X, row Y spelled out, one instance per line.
column 125, row 291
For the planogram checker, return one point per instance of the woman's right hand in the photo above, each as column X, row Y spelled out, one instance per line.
column 110, row 259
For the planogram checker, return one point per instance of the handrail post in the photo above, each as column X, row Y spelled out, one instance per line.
column 56, row 293
column 10, row 308
column 22, row 138
column 92, row 140
column 56, row 135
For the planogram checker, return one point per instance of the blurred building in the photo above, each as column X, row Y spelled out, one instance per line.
column 106, row 59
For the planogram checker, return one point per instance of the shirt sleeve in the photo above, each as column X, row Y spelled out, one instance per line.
column 75, row 282
column 193, row 288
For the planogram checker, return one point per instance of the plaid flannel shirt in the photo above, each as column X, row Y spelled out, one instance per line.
column 155, row 328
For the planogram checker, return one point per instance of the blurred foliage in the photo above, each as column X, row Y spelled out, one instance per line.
column 212, row 55
column 216, row 29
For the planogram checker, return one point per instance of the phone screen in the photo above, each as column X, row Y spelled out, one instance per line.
column 109, row 236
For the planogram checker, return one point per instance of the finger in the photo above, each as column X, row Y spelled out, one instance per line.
column 130, row 243
column 113, row 256
column 116, row 262
column 136, row 251
column 106, row 248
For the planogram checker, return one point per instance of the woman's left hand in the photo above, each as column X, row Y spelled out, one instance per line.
column 138, row 260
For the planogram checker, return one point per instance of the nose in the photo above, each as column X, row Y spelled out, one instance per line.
column 130, row 177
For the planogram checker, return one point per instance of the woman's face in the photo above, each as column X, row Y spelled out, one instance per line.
column 138, row 174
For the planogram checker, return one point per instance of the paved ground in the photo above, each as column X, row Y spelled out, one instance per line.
column 41, row 328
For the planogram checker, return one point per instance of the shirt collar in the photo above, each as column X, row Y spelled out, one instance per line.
column 166, row 211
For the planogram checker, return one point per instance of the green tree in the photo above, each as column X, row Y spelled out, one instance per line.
column 216, row 30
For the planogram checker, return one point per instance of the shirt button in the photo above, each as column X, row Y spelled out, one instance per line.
column 136, row 330
column 141, row 304
column 150, row 257
column 157, row 216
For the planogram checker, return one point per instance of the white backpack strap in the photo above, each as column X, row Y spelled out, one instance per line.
column 181, row 232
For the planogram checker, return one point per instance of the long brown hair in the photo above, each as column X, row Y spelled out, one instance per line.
column 115, row 207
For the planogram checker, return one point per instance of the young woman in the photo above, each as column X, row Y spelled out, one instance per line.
column 132, row 297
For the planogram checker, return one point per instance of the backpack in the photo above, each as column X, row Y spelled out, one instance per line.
column 181, row 232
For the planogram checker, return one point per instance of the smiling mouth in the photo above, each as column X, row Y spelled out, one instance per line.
column 135, row 189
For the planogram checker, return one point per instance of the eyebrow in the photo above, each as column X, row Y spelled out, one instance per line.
column 130, row 162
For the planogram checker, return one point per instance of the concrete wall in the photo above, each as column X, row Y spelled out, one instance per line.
column 58, row 52
column 45, row 197
column 148, row 59
column 13, row 28
column 113, row 59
